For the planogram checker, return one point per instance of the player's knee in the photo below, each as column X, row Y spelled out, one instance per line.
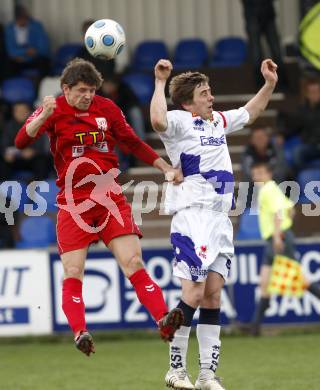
column 73, row 271
column 264, row 289
column 133, row 265
column 213, row 299
column 193, row 297
column 264, row 286
column 197, row 298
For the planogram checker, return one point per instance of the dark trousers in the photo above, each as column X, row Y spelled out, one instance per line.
column 255, row 33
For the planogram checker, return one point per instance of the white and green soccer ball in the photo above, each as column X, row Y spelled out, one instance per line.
column 105, row 38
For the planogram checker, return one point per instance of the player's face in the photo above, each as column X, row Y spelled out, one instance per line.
column 202, row 101
column 80, row 95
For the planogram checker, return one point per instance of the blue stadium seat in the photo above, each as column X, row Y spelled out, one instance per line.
column 13, row 194
column 50, row 197
column 229, row 52
column 314, row 163
column 22, row 174
column 190, row 54
column 147, row 54
column 18, row 89
column 248, row 227
column 142, row 85
column 36, row 232
column 289, row 147
column 63, row 55
column 303, row 178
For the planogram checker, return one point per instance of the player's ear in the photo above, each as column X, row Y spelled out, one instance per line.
column 187, row 106
column 65, row 88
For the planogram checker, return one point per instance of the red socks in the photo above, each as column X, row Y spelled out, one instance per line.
column 72, row 304
column 149, row 294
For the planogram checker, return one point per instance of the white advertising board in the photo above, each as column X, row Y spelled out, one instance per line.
column 101, row 292
column 25, row 305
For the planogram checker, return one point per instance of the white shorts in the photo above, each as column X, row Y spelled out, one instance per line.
column 202, row 240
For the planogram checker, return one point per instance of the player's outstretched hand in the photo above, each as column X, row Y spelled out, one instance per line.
column 269, row 71
column 174, row 176
column 49, row 105
column 163, row 69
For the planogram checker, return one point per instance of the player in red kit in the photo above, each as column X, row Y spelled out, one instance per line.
column 83, row 129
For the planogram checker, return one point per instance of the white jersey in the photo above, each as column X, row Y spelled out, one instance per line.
column 199, row 148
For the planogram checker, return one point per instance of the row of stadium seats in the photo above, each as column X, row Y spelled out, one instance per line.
column 20, row 89
column 189, row 53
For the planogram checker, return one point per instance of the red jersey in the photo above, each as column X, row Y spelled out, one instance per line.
column 92, row 134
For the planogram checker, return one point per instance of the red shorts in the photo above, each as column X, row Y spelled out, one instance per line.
column 72, row 235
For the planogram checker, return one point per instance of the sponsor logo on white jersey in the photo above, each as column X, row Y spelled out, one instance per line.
column 198, row 124
column 212, row 141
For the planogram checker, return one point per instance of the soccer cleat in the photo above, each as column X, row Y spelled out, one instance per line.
column 178, row 379
column 208, row 381
column 84, row 342
column 170, row 323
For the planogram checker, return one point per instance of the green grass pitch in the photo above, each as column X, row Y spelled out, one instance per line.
column 140, row 363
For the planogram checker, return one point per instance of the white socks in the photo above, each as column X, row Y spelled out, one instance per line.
column 209, row 346
column 179, row 348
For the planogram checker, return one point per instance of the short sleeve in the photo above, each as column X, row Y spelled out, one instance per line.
column 235, row 119
column 173, row 129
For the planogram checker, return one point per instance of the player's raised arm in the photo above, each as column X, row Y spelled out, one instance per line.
column 158, row 106
column 48, row 106
column 259, row 102
column 29, row 131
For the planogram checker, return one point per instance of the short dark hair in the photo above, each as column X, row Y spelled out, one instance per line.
column 182, row 86
column 79, row 70
column 20, row 11
column 262, row 164
column 86, row 24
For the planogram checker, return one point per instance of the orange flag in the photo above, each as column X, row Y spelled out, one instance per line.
column 286, row 277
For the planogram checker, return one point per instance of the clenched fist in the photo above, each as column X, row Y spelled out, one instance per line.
column 163, row 69
column 49, row 105
column 269, row 71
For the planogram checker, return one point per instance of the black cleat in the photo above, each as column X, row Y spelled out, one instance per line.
column 170, row 323
column 84, row 342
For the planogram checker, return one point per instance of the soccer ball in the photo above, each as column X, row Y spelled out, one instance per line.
column 105, row 39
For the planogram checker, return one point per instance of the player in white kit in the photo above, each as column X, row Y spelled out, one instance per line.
column 201, row 232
